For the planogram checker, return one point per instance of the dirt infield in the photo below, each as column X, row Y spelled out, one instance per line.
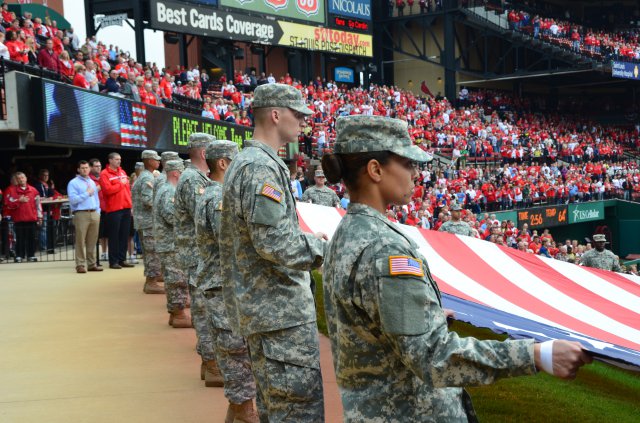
column 93, row 348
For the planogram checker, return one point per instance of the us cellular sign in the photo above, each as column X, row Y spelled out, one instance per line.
column 360, row 9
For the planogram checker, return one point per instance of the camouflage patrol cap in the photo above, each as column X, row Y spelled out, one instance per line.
column 455, row 207
column 139, row 165
column 279, row 95
column 599, row 238
column 368, row 134
column 150, row 154
column 200, row 140
column 221, row 148
column 174, row 165
column 319, row 173
column 169, row 155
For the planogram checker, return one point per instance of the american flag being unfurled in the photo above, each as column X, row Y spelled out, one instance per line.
column 133, row 124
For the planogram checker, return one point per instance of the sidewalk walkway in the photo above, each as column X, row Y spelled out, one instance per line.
column 93, row 348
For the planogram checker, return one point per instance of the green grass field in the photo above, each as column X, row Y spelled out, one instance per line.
column 601, row 393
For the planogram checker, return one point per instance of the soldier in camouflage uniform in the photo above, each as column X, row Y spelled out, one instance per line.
column 319, row 193
column 191, row 186
column 160, row 180
column 455, row 225
column 142, row 198
column 265, row 261
column 162, row 177
column 231, row 350
column 394, row 357
column 163, row 223
column 599, row 257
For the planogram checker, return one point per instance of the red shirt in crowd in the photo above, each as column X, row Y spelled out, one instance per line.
column 80, row 81
column 96, row 179
column 22, row 211
column 115, row 189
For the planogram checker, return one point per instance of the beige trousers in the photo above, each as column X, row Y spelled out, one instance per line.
column 87, row 225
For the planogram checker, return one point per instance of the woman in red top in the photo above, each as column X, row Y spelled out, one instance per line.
column 66, row 65
column 79, row 80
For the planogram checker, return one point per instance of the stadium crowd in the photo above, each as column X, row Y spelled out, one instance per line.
column 604, row 45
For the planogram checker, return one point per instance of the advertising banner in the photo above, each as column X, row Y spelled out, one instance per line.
column 79, row 117
column 325, row 39
column 342, row 74
column 586, row 212
column 205, row 21
column 625, row 70
column 359, row 9
column 305, row 10
column 543, row 217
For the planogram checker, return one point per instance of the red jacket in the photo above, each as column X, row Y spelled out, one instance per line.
column 48, row 60
column 21, row 211
column 96, row 179
column 115, row 189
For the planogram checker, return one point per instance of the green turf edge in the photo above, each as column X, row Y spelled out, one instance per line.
column 600, row 393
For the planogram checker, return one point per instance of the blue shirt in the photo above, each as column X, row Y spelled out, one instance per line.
column 79, row 198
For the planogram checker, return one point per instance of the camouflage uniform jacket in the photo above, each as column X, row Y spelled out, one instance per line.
column 191, row 185
column 394, row 357
column 265, row 257
column 605, row 260
column 323, row 196
column 164, row 218
column 207, row 220
column 142, row 197
column 161, row 179
column 459, row 227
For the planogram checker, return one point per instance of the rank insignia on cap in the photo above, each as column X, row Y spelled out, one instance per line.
column 405, row 265
column 271, row 192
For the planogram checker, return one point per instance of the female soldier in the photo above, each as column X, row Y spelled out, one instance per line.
column 394, row 358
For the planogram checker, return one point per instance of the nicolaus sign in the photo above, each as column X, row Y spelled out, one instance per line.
column 210, row 22
column 360, row 9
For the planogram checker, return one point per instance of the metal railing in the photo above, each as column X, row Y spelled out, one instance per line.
column 52, row 239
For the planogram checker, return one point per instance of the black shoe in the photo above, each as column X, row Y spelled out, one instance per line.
column 51, row 251
column 125, row 264
column 115, row 266
column 33, row 259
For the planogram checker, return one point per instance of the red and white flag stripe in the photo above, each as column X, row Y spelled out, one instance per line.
column 578, row 300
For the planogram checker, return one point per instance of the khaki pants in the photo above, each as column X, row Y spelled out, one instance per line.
column 87, row 224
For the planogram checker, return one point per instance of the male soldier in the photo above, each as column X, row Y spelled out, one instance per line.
column 455, row 225
column 191, row 185
column 231, row 350
column 162, row 178
column 599, row 257
column 142, row 196
column 265, row 260
column 163, row 222
column 321, row 194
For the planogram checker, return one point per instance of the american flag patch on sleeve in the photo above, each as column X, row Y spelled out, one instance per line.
column 271, row 192
column 405, row 265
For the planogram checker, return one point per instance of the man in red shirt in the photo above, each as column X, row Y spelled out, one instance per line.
column 22, row 202
column 47, row 58
column 114, row 184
